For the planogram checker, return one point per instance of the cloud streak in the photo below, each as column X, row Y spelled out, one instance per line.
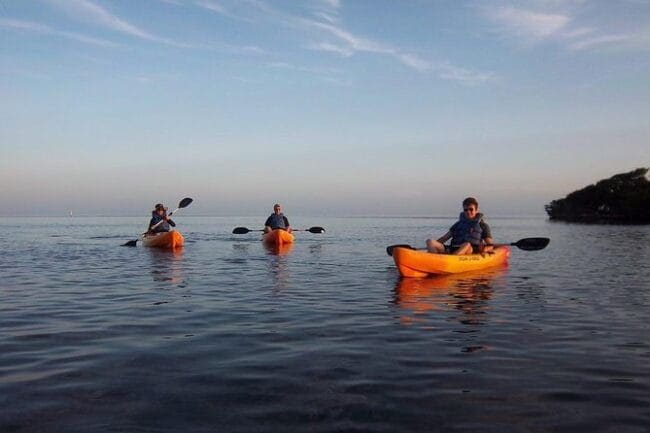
column 349, row 44
column 529, row 24
column 30, row 26
column 558, row 22
column 90, row 13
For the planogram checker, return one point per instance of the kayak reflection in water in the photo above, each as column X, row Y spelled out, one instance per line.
column 159, row 221
column 470, row 234
column 277, row 220
column 469, row 294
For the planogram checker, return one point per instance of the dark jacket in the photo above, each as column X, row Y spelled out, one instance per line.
column 278, row 221
column 164, row 226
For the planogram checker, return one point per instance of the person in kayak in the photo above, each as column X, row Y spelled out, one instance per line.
column 157, row 215
column 277, row 220
column 470, row 234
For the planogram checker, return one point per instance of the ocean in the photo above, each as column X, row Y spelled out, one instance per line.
column 227, row 336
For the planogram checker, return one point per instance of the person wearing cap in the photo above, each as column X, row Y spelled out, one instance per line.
column 277, row 220
column 157, row 215
column 469, row 235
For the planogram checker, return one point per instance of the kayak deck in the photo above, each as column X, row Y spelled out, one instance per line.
column 418, row 263
column 168, row 240
column 277, row 237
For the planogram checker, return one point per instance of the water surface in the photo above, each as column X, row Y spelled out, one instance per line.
column 225, row 335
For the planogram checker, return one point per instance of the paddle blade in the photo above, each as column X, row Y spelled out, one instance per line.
column 185, row 202
column 532, row 244
column 240, row 230
column 316, row 230
column 389, row 249
column 130, row 243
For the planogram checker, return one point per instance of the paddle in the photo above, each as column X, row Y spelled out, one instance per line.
column 182, row 204
column 526, row 244
column 244, row 230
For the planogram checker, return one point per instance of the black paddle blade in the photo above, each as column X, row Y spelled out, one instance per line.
column 130, row 243
column 532, row 244
column 389, row 249
column 316, row 230
column 240, row 230
column 185, row 202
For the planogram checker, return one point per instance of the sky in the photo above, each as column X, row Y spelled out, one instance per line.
column 330, row 107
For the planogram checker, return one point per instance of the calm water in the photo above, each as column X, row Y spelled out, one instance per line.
column 225, row 336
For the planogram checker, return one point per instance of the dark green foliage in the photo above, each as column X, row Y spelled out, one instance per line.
column 623, row 199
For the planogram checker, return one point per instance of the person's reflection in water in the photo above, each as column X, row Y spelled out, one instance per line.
column 278, row 265
column 467, row 293
column 167, row 266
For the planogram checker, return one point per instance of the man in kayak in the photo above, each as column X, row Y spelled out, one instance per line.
column 470, row 234
column 157, row 215
column 277, row 220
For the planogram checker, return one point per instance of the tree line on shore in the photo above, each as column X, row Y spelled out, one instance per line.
column 622, row 199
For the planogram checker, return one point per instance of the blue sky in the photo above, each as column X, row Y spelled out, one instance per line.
column 334, row 107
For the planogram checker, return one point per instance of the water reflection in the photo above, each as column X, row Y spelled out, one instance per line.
column 278, row 267
column 241, row 247
column 278, row 250
column 466, row 293
column 167, row 265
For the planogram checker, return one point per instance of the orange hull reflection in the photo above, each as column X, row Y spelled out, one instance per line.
column 167, row 265
column 278, row 250
column 468, row 293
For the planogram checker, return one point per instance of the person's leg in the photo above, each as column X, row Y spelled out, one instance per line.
column 465, row 248
column 433, row 246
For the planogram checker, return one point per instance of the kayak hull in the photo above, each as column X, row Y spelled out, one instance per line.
column 418, row 263
column 277, row 237
column 168, row 240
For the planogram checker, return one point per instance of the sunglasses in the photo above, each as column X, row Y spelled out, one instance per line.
column 469, row 209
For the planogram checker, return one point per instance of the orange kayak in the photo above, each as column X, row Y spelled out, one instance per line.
column 418, row 263
column 277, row 237
column 169, row 240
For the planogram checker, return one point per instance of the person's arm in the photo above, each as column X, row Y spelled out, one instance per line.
column 486, row 237
column 286, row 224
column 444, row 238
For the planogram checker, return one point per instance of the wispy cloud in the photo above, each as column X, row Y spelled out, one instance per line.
column 350, row 44
column 324, row 32
column 332, row 48
column 529, row 24
column 212, row 6
column 30, row 26
column 559, row 22
column 448, row 71
column 586, row 43
column 91, row 13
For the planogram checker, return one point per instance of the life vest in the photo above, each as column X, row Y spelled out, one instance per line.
column 276, row 221
column 467, row 230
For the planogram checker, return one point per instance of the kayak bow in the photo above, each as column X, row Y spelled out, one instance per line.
column 277, row 237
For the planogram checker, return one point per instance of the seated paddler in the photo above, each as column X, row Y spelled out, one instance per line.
column 277, row 220
column 469, row 235
column 160, row 222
